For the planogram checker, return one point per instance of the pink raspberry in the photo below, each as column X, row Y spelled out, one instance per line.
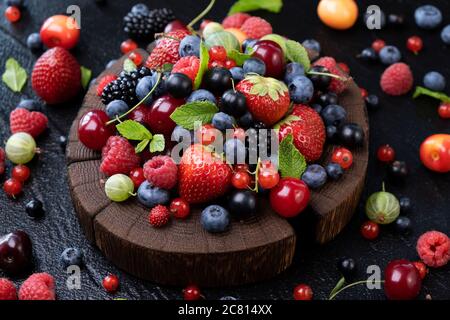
column 256, row 27
column 161, row 171
column 118, row 156
column 2, row 161
column 336, row 85
column 397, row 79
column 235, row 20
column 433, row 248
column 39, row 286
column 188, row 66
column 7, row 290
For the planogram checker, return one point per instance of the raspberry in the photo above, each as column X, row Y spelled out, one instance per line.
column 2, row 161
column 39, row 286
column 397, row 79
column 159, row 216
column 118, row 156
column 104, row 81
column 344, row 67
column 187, row 65
column 235, row 20
column 31, row 122
column 166, row 50
column 7, row 290
column 433, row 248
column 256, row 27
column 161, row 171
column 336, row 85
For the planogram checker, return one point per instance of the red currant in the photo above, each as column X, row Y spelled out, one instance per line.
column 401, row 280
column 303, row 292
column 207, row 134
column 218, row 53
column 230, row 64
column 137, row 176
column 370, row 230
column 179, row 208
column 414, row 44
column 241, row 180
column 136, row 57
column 111, row 283
column 268, row 176
column 21, row 173
column 12, row 187
column 289, row 197
column 93, row 131
column 378, row 44
column 386, row 153
column 444, row 110
column 128, row 46
column 344, row 67
column 422, row 268
column 12, row 14
column 241, row 167
column 191, row 292
column 364, row 93
column 343, row 157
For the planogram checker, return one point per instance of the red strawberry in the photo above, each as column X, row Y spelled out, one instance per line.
column 39, row 286
column 203, row 175
column 188, row 66
column 159, row 216
column 104, row 81
column 118, row 156
column 308, row 131
column 336, row 85
column 31, row 122
column 267, row 98
column 166, row 50
column 56, row 76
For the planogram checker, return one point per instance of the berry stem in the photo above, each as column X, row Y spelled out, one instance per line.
column 258, row 165
column 331, row 75
column 164, row 35
column 352, row 285
column 202, row 14
column 437, row 95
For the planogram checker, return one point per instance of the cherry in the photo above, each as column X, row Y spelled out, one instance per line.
column 386, row 153
column 401, row 280
column 93, row 131
column 128, row 46
column 241, row 180
column 207, row 134
column 137, row 176
column 268, row 176
column 343, row 157
column 139, row 114
column 60, row 31
column 378, row 44
column 217, row 53
column 12, row 14
column 444, row 110
column 191, row 292
column 370, row 230
column 422, row 268
column 414, row 44
column 175, row 25
column 21, row 173
column 15, row 252
column 179, row 208
column 136, row 57
column 303, row 292
column 111, row 283
column 289, row 197
column 12, row 187
column 158, row 119
column 272, row 55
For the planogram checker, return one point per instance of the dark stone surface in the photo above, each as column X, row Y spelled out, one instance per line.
column 401, row 122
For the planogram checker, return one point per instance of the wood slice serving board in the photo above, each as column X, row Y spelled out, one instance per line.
column 182, row 252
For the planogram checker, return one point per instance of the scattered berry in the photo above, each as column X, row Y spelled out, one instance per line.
column 241, row 180
column 386, row 153
column 60, row 31
column 397, row 79
column 222, row 121
column 128, row 46
column 34, row 42
column 12, row 187
column 428, row 17
column 138, row 177
column 22, row 120
column 414, row 44
column 234, row 103
column 141, row 23
column 368, row 55
column 8, row 290
column 315, row 176
column 343, row 157
column 217, row 80
column 398, row 169
column 179, row 208
column 303, row 292
column 254, row 65
column 159, row 216
column 71, row 257
column 151, row 196
column 255, row 27
column 390, row 55
column 161, row 172
column 405, row 204
column 39, row 286
column 21, row 173
column 403, row 225
column 235, row 20
column 34, row 208
column 370, row 230
column 20, row 148
column 12, row 14
column 351, row 135
column 422, row 268
column 434, row 81
column 111, row 283
column 215, row 219
column 445, row 34
column 191, row 292
column 444, row 110
column 433, row 248
column 347, row 267
column 136, row 57
column 118, row 156
column 372, row 101
column 104, row 81
column 401, row 280
column 378, row 44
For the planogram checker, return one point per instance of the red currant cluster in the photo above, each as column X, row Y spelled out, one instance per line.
column 218, row 58
column 19, row 175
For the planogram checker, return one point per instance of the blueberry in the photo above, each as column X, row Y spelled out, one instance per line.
column 234, row 103
column 151, row 196
column 320, row 81
column 71, row 257
column 234, row 151
column 334, row 171
column 189, row 46
column 215, row 219
column 351, row 135
column 62, row 140
column 368, row 55
column 396, row 19
column 331, row 132
column 347, row 267
column 315, row 176
column 434, row 81
column 29, row 104
column 333, row 114
column 34, row 42
column 143, row 87
column 390, row 55
column 223, row 121
column 398, row 169
column 428, row 17
column 405, row 204
column 110, row 63
column 403, row 225
column 301, row 89
column 246, row 121
column 316, row 107
column 242, row 203
column 182, row 135
column 293, row 70
column 140, row 8
column 445, row 34
column 34, row 208
column 328, row 98
column 179, row 85
column 254, row 65
column 217, row 80
column 247, row 44
column 238, row 74
column 372, row 101
column 312, row 45
column 202, row 95
column 116, row 108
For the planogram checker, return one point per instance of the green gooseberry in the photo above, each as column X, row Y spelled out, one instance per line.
column 382, row 207
column 211, row 28
column 20, row 148
column 119, row 187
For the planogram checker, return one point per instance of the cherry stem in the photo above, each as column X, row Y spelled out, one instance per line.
column 328, row 75
column 258, row 165
column 383, row 187
column 352, row 285
column 138, row 104
column 202, row 14
column 164, row 35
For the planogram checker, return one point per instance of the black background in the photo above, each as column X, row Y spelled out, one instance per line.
column 401, row 122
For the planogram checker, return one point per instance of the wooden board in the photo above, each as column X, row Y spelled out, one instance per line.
column 182, row 252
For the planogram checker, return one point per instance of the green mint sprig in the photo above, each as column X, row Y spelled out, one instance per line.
column 204, row 60
column 295, row 52
column 190, row 113
column 291, row 162
column 421, row 91
column 252, row 5
column 238, row 57
column 14, row 76
column 133, row 130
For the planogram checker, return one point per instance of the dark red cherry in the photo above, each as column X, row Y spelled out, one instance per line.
column 93, row 131
column 158, row 119
column 272, row 55
column 15, row 252
column 401, row 280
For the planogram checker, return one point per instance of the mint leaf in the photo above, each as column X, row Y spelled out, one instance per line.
column 297, row 53
column 251, row 5
column 238, row 57
column 158, row 143
column 14, row 76
column 204, row 60
column 290, row 160
column 141, row 146
column 129, row 66
column 86, row 75
column 426, row 92
column 133, row 130
column 189, row 113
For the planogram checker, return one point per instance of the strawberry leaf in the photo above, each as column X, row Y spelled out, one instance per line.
column 197, row 111
column 291, row 161
column 289, row 119
column 426, row 92
column 133, row 130
column 158, row 143
column 14, row 76
column 141, row 146
column 204, row 60
column 297, row 53
column 86, row 75
column 252, row 5
column 238, row 57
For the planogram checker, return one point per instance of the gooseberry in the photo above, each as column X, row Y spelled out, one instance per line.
column 119, row 187
column 20, row 148
column 382, row 207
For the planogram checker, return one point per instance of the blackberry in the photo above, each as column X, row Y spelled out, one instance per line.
column 142, row 24
column 123, row 88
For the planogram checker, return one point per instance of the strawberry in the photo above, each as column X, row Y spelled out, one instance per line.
column 31, row 122
column 203, row 175
column 159, row 216
column 166, row 50
column 267, row 98
column 307, row 129
column 56, row 76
